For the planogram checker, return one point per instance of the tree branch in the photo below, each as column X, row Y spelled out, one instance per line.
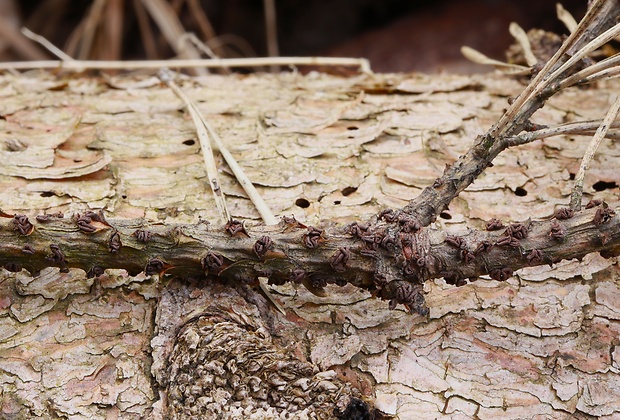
column 436, row 198
column 389, row 256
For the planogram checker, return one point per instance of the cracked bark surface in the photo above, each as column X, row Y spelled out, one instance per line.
column 329, row 151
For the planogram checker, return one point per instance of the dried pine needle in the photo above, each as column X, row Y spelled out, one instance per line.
column 575, row 200
column 205, row 146
column 479, row 58
column 519, row 34
column 78, row 65
column 566, row 18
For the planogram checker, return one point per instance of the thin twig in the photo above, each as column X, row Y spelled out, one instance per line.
column 362, row 63
column 172, row 29
column 192, row 38
column 205, row 146
column 597, row 42
column 271, row 31
column 146, row 34
column 598, row 14
column 253, row 194
column 574, row 128
column 46, row 44
column 262, row 207
column 575, row 200
column 90, row 27
column 19, row 42
column 593, row 72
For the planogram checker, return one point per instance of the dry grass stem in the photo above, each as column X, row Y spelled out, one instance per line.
column 205, row 146
column 78, row 65
column 597, row 71
column 46, row 44
column 582, row 53
column 172, row 29
column 271, row 31
column 575, row 200
column 210, row 134
column 87, row 35
column 519, row 34
column 566, row 18
column 598, row 14
column 479, row 58
column 192, row 38
column 18, row 41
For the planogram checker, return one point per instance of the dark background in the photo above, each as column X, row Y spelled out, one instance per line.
column 396, row 35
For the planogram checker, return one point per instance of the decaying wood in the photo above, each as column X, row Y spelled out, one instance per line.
column 98, row 342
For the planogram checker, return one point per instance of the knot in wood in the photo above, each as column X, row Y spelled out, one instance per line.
column 13, row 267
column 262, row 246
column 501, row 274
column 28, row 249
column 406, row 293
column 494, row 224
column 154, row 266
column 517, row 231
column 297, row 275
column 115, row 243
column 535, row 257
column 22, row 224
column 235, row 228
column 338, row 261
column 44, row 218
column 603, row 215
column 593, row 203
column 95, row 271
column 212, row 263
column 84, row 224
column 564, row 213
column 389, row 215
column 557, row 231
column 313, row 237
column 143, row 235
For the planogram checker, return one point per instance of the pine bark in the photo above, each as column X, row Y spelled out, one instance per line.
column 113, row 322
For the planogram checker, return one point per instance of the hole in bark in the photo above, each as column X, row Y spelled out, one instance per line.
column 124, row 196
column 189, row 142
column 352, row 128
column 47, row 194
column 337, row 202
column 302, row 202
column 571, row 176
column 445, row 215
column 520, row 191
column 348, row 191
column 602, row 185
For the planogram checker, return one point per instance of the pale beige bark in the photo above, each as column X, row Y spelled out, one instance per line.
column 327, row 150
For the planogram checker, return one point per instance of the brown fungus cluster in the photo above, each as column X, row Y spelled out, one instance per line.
column 252, row 378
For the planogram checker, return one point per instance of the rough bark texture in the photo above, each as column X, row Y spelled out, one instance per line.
column 329, row 151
